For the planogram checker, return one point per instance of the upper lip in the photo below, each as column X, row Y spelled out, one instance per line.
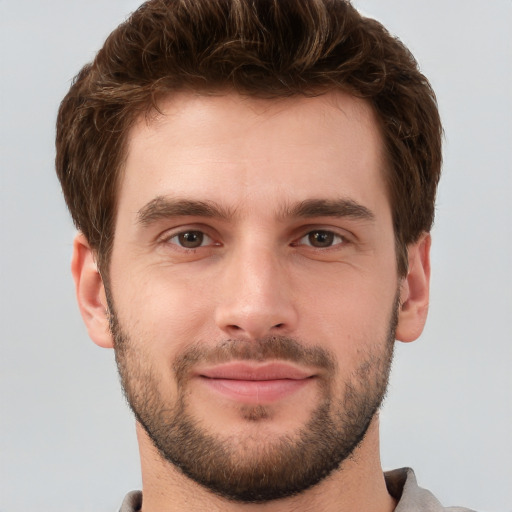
column 241, row 370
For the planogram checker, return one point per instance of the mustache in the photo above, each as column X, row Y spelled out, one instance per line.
column 269, row 348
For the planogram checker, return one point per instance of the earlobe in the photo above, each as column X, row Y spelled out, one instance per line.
column 90, row 292
column 414, row 291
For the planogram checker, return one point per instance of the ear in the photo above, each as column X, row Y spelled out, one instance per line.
column 414, row 291
column 90, row 292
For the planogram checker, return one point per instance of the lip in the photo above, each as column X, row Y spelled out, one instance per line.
column 255, row 383
column 241, row 370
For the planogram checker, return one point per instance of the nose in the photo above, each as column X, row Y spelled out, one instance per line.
column 256, row 297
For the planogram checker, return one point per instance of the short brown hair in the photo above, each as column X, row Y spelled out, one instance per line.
column 263, row 48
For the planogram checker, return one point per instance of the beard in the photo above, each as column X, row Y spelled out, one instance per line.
column 256, row 468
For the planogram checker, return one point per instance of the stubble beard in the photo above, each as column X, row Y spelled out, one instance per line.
column 256, row 469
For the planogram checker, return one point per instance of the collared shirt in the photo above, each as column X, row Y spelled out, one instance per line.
column 401, row 484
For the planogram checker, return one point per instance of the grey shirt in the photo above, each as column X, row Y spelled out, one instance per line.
column 401, row 485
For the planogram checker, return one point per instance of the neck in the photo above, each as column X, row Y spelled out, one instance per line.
column 357, row 485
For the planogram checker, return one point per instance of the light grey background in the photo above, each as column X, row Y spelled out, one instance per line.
column 67, row 440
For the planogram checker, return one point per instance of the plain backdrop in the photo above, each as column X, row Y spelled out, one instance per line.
column 67, row 438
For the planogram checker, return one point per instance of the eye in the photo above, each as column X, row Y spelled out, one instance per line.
column 190, row 239
column 321, row 238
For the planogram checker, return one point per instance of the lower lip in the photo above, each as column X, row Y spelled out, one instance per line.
column 256, row 391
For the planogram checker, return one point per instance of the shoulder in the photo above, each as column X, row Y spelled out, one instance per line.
column 402, row 485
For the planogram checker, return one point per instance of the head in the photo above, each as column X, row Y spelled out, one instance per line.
column 256, row 182
column 259, row 49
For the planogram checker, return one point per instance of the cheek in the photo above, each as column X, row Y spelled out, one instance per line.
column 348, row 311
column 167, row 311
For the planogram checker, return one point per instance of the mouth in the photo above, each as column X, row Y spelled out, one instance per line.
column 255, row 383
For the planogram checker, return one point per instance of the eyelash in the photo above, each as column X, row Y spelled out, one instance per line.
column 332, row 239
column 195, row 232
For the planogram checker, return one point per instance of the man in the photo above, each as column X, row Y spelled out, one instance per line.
column 254, row 183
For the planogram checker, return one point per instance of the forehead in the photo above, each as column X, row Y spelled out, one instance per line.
column 231, row 148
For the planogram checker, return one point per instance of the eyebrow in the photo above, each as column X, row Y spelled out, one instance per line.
column 163, row 207
column 338, row 208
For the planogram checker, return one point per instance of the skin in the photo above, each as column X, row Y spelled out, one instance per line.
column 257, row 272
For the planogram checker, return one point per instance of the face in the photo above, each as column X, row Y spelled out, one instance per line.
column 253, row 287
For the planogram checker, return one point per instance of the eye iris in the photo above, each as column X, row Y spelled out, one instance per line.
column 321, row 238
column 191, row 239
